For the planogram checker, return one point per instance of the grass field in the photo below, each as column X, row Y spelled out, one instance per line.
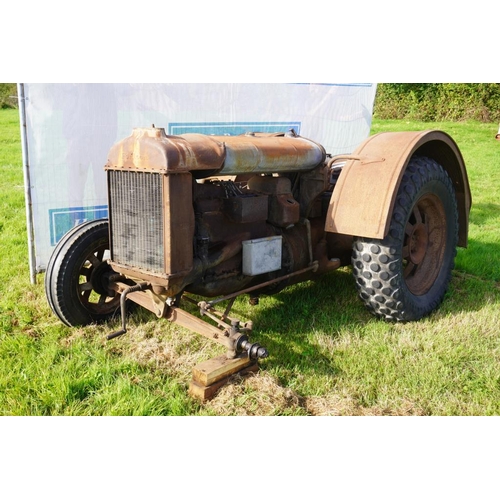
column 328, row 355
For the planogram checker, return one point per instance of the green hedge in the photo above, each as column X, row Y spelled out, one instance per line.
column 438, row 101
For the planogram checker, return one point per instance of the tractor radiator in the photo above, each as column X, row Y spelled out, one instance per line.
column 136, row 219
column 151, row 221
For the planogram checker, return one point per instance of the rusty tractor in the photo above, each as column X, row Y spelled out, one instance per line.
column 221, row 216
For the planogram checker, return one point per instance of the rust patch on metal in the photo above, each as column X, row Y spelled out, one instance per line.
column 150, row 149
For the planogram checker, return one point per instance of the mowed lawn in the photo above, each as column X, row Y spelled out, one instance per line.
column 328, row 355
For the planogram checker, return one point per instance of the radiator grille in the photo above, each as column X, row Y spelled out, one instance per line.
column 136, row 222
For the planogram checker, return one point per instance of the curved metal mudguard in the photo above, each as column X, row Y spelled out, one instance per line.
column 364, row 197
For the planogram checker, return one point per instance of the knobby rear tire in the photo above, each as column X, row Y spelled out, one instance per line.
column 404, row 277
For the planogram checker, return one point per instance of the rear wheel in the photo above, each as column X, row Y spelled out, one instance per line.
column 405, row 276
column 77, row 274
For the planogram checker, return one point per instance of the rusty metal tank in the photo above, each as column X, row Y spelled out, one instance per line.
column 151, row 149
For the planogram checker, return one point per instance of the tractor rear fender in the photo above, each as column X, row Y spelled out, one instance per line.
column 364, row 197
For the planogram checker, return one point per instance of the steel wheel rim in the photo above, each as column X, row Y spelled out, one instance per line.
column 424, row 244
column 90, row 288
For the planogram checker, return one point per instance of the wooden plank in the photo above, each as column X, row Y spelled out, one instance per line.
column 215, row 369
column 205, row 393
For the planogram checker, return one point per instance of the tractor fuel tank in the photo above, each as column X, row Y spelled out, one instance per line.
column 150, row 149
column 270, row 153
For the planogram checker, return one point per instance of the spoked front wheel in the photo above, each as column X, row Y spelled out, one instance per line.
column 77, row 274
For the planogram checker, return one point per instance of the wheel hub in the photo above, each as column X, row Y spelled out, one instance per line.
column 424, row 244
column 100, row 277
column 418, row 242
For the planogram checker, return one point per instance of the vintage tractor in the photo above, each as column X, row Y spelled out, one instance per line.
column 221, row 216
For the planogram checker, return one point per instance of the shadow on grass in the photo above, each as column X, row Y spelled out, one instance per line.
column 480, row 259
column 484, row 213
column 288, row 324
column 470, row 293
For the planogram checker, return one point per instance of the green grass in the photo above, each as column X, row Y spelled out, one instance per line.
column 328, row 355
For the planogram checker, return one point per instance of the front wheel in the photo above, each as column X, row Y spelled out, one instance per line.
column 405, row 276
column 77, row 274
